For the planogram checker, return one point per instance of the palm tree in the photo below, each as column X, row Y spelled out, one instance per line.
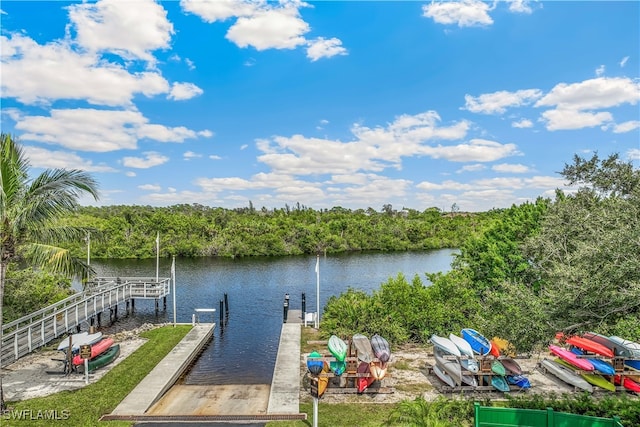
column 30, row 210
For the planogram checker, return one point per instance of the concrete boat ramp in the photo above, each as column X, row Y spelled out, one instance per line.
column 158, row 398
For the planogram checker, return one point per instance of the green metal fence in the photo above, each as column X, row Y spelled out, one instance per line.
column 488, row 416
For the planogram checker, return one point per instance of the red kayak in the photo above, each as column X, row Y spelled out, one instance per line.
column 570, row 357
column 585, row 344
column 364, row 381
column 627, row 383
column 494, row 350
column 96, row 350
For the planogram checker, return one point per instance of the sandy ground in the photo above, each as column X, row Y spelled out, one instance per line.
column 37, row 375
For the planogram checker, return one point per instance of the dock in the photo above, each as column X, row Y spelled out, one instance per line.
column 284, row 397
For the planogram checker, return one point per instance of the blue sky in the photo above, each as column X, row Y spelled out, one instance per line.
column 353, row 104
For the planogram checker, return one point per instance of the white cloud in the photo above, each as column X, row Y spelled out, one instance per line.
column 188, row 155
column 598, row 93
column 510, row 168
column 600, row 70
column 150, row 159
column 43, row 158
column 633, row 154
column 519, row 6
column 269, row 29
column 472, row 168
column 522, row 124
column 149, row 187
column 97, row 130
column 130, row 174
column 205, row 133
column 626, row 126
column 215, row 157
column 465, row 13
column 565, row 119
column 477, row 150
column 624, row 60
column 69, row 75
column 265, row 25
column 129, row 29
column 325, row 48
column 498, row 102
column 182, row 91
column 190, row 65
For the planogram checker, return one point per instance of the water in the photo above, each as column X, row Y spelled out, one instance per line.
column 243, row 351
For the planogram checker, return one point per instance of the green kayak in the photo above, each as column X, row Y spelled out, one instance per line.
column 498, row 368
column 592, row 378
column 103, row 359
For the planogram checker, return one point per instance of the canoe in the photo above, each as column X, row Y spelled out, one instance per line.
column 338, row 367
column 633, row 364
column 315, row 363
column 451, row 366
column 96, row 350
column 627, row 383
column 445, row 344
column 378, row 369
column 498, row 368
column 443, row 376
column 104, row 359
column 618, row 350
column 632, row 347
column 568, row 356
column 519, row 381
column 79, row 339
column 585, row 344
column 363, row 347
column 338, row 348
column 592, row 378
column 364, row 381
column 381, row 348
column 598, row 364
column 512, row 367
column 478, row 343
column 469, row 380
column 467, row 360
column 498, row 382
column 565, row 374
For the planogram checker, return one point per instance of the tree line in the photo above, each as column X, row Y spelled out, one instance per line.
column 570, row 264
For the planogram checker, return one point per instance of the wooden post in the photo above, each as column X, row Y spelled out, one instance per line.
column 133, row 305
column 226, row 304
column 99, row 319
column 221, row 311
column 164, row 302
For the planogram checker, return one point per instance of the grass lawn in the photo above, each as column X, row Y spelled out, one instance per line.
column 85, row 406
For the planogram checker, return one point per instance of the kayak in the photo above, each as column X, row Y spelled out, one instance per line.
column 585, row 344
column 592, row 378
column 598, row 364
column 518, row 380
column 315, row 364
column 104, row 359
column 494, row 350
column 478, row 342
column 617, row 349
column 338, row 367
column 568, row 356
column 323, row 379
column 96, row 350
column 511, row 366
column 363, row 347
column 627, row 383
column 450, row 366
column 365, row 379
column 443, row 376
column 79, row 339
column 338, row 348
column 378, row 369
column 380, row 348
column 498, row 368
column 565, row 374
column 498, row 382
column 504, row 346
column 632, row 347
column 446, row 345
column 467, row 360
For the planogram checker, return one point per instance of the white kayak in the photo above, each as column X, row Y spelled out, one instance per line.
column 445, row 344
column 467, row 359
column 79, row 339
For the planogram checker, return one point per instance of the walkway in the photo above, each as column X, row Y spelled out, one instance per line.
column 285, row 384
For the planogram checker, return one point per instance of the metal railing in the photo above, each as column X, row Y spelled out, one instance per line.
column 35, row 330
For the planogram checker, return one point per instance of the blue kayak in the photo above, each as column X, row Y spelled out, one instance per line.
column 478, row 343
column 315, row 363
column 599, row 364
column 519, row 380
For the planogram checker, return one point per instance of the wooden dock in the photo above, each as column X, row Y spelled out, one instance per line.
column 105, row 294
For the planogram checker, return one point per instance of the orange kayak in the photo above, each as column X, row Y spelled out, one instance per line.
column 495, row 349
column 585, row 344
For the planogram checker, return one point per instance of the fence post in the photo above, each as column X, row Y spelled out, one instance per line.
column 476, row 414
column 550, row 420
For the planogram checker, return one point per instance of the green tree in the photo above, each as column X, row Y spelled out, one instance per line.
column 30, row 210
column 586, row 253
